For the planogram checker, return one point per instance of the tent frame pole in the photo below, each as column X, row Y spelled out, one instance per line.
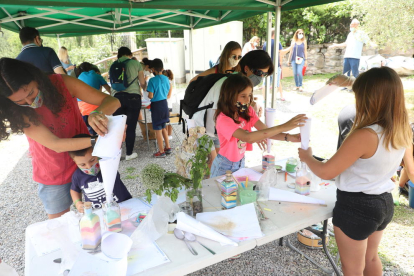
column 278, row 11
column 191, row 49
column 269, row 51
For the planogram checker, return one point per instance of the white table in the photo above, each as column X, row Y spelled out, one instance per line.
column 284, row 218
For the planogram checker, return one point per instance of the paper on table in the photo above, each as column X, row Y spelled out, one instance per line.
column 116, row 245
column 270, row 122
column 305, row 134
column 87, row 264
column 252, row 174
column 109, row 169
column 108, row 146
column 282, row 195
column 239, row 223
column 189, row 224
column 7, row 270
column 145, row 256
column 322, row 93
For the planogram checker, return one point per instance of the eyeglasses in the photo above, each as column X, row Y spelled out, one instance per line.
column 259, row 73
column 236, row 57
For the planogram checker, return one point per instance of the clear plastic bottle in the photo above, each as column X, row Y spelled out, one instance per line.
column 229, row 191
column 112, row 216
column 303, row 180
column 90, row 228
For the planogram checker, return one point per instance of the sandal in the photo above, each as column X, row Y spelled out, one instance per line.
column 282, row 99
column 300, row 89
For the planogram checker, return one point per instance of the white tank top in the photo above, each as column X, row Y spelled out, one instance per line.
column 372, row 175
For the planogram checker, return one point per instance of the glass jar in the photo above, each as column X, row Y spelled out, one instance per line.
column 291, row 164
column 112, row 216
column 303, row 180
column 194, row 198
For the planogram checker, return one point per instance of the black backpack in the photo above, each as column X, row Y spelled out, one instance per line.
column 118, row 75
column 195, row 94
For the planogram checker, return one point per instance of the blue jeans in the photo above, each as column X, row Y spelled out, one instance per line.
column 297, row 72
column 55, row 198
column 279, row 71
column 221, row 164
column 351, row 64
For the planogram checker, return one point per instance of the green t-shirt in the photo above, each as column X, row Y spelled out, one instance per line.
column 132, row 69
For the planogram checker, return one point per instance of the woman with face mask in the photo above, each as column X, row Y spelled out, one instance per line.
column 251, row 45
column 44, row 108
column 228, row 61
column 297, row 57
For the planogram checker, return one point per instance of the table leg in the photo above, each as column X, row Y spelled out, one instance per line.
column 146, row 127
column 325, row 248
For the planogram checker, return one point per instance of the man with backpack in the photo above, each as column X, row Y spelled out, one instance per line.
column 126, row 76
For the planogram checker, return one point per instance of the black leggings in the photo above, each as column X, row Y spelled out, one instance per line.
column 130, row 106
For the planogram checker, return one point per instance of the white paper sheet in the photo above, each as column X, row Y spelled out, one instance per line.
column 116, row 245
column 270, row 122
column 6, row 270
column 322, row 93
column 238, row 223
column 305, row 134
column 109, row 145
column 282, row 195
column 109, row 169
column 252, row 174
column 145, row 256
column 189, row 224
column 90, row 265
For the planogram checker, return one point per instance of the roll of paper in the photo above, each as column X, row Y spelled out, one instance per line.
column 109, row 169
column 108, row 146
column 270, row 122
column 305, row 134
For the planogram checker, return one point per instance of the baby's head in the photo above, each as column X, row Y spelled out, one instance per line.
column 83, row 158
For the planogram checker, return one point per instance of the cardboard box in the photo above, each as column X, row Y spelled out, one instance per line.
column 151, row 133
column 287, row 72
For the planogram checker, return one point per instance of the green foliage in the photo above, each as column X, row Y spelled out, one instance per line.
column 158, row 181
column 198, row 163
column 322, row 24
column 387, row 22
column 142, row 35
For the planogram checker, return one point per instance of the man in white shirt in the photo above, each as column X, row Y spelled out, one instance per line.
column 354, row 43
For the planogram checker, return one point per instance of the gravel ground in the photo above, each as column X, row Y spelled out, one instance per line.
column 20, row 205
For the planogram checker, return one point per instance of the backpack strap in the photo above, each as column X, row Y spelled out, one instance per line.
column 125, row 61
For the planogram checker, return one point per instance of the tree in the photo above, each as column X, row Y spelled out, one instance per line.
column 387, row 22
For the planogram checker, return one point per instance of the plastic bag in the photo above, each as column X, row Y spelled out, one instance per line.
column 155, row 223
column 268, row 179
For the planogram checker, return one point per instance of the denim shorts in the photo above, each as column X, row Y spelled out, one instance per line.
column 216, row 141
column 359, row 215
column 55, row 198
column 159, row 127
column 221, row 164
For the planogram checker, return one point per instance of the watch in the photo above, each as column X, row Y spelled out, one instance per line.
column 93, row 140
column 286, row 137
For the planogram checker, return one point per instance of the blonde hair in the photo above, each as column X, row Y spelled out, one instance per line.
column 63, row 55
column 225, row 55
column 253, row 39
column 295, row 36
column 379, row 96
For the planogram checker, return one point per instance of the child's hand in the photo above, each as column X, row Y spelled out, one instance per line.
column 297, row 121
column 295, row 138
column 262, row 144
column 305, row 155
column 79, row 206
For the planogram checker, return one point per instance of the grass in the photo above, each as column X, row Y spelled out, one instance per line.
column 129, row 173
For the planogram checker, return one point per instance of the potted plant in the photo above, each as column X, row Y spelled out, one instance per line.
column 192, row 161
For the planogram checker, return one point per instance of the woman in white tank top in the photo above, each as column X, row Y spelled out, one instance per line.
column 363, row 167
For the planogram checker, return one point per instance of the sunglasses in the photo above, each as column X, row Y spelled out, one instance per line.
column 300, row 33
column 236, row 57
column 259, row 73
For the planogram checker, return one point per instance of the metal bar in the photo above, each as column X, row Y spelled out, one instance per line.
column 200, row 18
column 276, row 50
column 76, row 23
column 269, row 51
column 79, row 15
column 268, row 2
column 194, row 14
column 135, row 18
column 285, row 2
column 5, row 20
column 325, row 248
column 63, row 23
column 156, row 20
column 18, row 25
column 191, row 49
column 224, row 15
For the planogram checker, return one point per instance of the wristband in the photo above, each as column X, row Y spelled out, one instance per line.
column 286, row 137
column 93, row 140
column 95, row 111
column 76, row 201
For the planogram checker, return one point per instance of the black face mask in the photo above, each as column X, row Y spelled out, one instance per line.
column 242, row 107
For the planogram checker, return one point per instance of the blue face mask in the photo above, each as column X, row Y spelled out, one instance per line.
column 94, row 170
column 255, row 79
column 37, row 102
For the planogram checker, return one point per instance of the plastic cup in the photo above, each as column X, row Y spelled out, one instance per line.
column 247, row 196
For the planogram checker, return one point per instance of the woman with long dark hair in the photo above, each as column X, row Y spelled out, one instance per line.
column 44, row 108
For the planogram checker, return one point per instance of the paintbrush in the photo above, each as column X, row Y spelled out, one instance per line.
column 261, row 211
column 238, row 182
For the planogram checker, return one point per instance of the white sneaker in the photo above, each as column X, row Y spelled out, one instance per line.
column 132, row 156
column 170, row 137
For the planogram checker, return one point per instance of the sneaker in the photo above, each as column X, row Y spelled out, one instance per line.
column 167, row 150
column 300, row 89
column 170, row 137
column 132, row 156
column 159, row 155
column 282, row 99
column 344, row 88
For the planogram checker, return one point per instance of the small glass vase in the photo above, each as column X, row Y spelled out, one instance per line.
column 112, row 216
column 194, row 198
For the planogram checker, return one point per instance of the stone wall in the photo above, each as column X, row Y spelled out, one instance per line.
column 322, row 60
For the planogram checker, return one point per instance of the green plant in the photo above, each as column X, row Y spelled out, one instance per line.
column 198, row 163
column 160, row 182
